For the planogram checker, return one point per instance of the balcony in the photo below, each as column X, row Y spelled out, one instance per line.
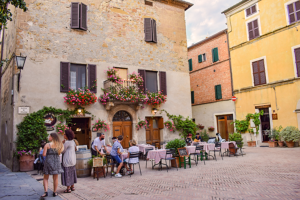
column 109, row 85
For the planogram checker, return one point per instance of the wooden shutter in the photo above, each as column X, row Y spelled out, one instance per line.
column 163, row 82
column 154, row 31
column 64, row 76
column 255, row 27
column 291, row 13
column 218, row 92
column 215, row 53
column 253, row 9
column 255, row 73
column 75, row 15
column 200, row 58
column 253, row 30
column 262, row 74
column 193, row 97
column 248, row 12
column 160, row 123
column 250, row 31
column 143, row 75
column 297, row 59
column 83, row 17
column 191, row 64
column 92, row 73
column 259, row 74
column 148, row 29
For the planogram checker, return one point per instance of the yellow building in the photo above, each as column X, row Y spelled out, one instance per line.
column 264, row 40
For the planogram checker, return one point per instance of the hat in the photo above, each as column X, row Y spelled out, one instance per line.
column 189, row 134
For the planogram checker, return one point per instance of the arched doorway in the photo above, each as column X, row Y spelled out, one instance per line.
column 122, row 125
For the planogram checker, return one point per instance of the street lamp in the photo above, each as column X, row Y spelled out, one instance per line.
column 154, row 111
column 21, row 61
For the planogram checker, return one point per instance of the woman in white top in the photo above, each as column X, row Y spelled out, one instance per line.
column 132, row 149
column 69, row 177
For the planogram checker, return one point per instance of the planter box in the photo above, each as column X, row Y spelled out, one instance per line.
column 290, row 144
column 251, row 144
column 273, row 144
column 173, row 162
column 26, row 163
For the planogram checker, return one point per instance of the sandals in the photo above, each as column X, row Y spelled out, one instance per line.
column 73, row 188
column 67, row 191
column 55, row 194
column 45, row 194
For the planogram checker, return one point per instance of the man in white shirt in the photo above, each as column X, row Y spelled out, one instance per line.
column 98, row 144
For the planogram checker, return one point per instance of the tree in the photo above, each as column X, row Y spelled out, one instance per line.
column 5, row 14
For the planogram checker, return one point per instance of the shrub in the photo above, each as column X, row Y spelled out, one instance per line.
column 175, row 144
column 204, row 136
column 290, row 134
column 236, row 137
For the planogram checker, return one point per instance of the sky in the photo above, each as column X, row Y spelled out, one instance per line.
column 204, row 18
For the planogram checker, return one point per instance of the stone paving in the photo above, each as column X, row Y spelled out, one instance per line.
column 263, row 173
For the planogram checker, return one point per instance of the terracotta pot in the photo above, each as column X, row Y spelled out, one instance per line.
column 173, row 162
column 273, row 144
column 26, row 163
column 290, row 144
column 211, row 129
column 251, row 143
column 280, row 143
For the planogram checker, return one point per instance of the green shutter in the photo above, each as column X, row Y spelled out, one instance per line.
column 200, row 58
column 215, row 54
column 218, row 92
column 190, row 64
column 192, row 97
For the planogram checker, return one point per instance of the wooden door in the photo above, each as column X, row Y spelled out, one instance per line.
column 153, row 132
column 123, row 128
column 224, row 126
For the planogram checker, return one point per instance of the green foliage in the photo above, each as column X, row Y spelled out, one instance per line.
column 242, row 126
column 275, row 133
column 5, row 13
column 290, row 133
column 90, row 162
column 236, row 137
column 204, row 136
column 32, row 130
column 175, row 144
column 183, row 125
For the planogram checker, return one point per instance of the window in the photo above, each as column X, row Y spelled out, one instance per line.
column 122, row 72
column 201, row 58
column 297, row 60
column 259, row 74
column 78, row 16
column 148, row 3
column 250, row 11
column 150, row 81
column 193, row 97
column 215, row 55
column 294, row 12
column 77, row 76
column 253, row 29
column 150, row 30
column 191, row 64
column 218, row 92
column 74, row 76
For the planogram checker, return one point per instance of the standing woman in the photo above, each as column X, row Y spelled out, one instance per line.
column 52, row 165
column 69, row 177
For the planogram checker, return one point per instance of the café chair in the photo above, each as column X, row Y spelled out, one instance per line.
column 169, row 158
column 146, row 154
column 216, row 149
column 110, row 162
column 134, row 155
column 200, row 153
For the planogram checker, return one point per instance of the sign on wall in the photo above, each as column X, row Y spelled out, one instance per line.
column 50, row 120
column 24, row 110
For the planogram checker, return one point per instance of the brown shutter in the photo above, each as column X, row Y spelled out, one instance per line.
column 160, row 123
column 250, row 31
column 74, row 15
column 291, row 13
column 92, row 78
column 163, row 82
column 148, row 29
column 262, row 74
column 64, row 76
column 154, row 30
column 255, row 27
column 297, row 58
column 83, row 17
column 248, row 12
column 143, row 75
column 255, row 73
column 253, row 9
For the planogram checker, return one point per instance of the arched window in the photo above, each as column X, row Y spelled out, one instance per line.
column 122, row 116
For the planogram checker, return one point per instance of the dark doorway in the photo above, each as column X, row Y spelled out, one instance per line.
column 265, row 124
column 81, row 128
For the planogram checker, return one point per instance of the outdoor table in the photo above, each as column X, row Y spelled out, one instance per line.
column 123, row 156
column 142, row 147
column 225, row 145
column 157, row 155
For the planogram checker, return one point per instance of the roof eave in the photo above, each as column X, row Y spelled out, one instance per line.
column 209, row 38
column 234, row 6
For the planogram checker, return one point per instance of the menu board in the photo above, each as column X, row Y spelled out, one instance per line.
column 182, row 152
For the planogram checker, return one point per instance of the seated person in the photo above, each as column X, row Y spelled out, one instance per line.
column 132, row 149
column 189, row 140
column 198, row 138
column 116, row 150
column 43, row 143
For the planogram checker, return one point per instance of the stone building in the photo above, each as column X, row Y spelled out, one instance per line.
column 211, row 84
column 71, row 45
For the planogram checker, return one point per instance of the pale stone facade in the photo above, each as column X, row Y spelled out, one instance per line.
column 115, row 38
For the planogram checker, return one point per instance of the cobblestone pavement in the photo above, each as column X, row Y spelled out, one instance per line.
column 263, row 173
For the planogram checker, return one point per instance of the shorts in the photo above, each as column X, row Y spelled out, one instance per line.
column 117, row 159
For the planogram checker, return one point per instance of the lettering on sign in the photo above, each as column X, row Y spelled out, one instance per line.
column 24, row 110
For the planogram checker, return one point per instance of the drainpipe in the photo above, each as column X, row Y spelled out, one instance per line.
column 230, row 64
column 2, row 49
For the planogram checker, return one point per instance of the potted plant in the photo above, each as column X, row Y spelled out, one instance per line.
column 100, row 125
column 204, row 136
column 237, row 137
column 175, row 144
column 26, row 160
column 274, row 136
column 170, row 126
column 290, row 135
column 200, row 126
column 90, row 164
column 210, row 128
column 80, row 97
